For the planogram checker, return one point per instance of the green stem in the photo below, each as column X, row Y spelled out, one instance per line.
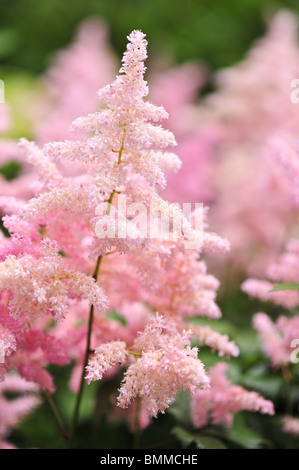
column 87, row 352
column 288, row 375
column 137, row 430
column 56, row 415
column 90, row 321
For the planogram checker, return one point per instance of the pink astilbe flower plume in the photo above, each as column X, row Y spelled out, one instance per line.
column 118, row 147
column 40, row 283
column 223, row 400
column 76, row 256
column 164, row 364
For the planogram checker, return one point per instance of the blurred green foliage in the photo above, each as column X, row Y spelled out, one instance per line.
column 213, row 31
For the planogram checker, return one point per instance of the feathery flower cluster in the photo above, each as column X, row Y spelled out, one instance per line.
column 39, row 284
column 106, row 356
column 223, row 400
column 164, row 363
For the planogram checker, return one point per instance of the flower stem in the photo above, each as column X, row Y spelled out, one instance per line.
column 288, row 376
column 87, row 352
column 90, row 320
column 56, row 415
column 137, row 430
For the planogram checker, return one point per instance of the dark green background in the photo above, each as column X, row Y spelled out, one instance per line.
column 217, row 32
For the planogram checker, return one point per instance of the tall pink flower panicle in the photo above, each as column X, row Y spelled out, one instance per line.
column 223, row 400
column 14, row 410
column 118, row 148
column 80, row 277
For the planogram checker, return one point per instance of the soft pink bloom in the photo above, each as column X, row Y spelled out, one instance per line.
column 47, row 266
column 253, row 203
column 223, row 400
column 106, row 356
column 205, row 335
column 12, row 411
column 291, row 425
column 262, row 290
column 41, row 284
column 277, row 337
column 166, row 364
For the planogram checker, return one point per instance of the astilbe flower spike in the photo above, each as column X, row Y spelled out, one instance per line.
column 57, row 265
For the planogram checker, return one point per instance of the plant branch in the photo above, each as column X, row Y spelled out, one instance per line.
column 56, row 415
column 87, row 352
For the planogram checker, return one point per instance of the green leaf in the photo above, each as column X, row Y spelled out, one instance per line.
column 10, row 170
column 114, row 315
column 245, row 437
column 285, row 286
column 180, row 409
column 268, row 386
column 201, row 441
column 208, row 442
